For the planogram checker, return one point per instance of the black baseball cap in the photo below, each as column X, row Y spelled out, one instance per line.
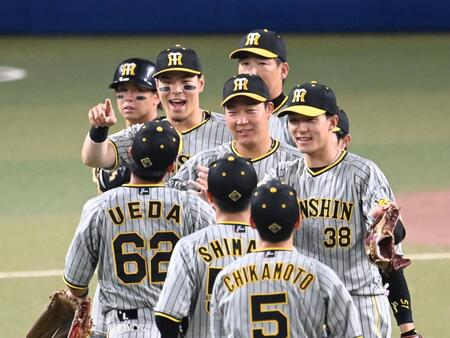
column 310, row 99
column 343, row 126
column 274, row 209
column 262, row 42
column 248, row 85
column 231, row 179
column 155, row 146
column 136, row 70
column 178, row 59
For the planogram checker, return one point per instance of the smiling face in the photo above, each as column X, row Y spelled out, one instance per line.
column 136, row 104
column 312, row 135
column 180, row 95
column 248, row 120
column 272, row 72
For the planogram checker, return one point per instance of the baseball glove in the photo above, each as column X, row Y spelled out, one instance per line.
column 65, row 317
column 379, row 242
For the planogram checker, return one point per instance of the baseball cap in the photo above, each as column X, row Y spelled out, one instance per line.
column 231, row 179
column 155, row 146
column 248, row 85
column 274, row 209
column 178, row 59
column 136, row 70
column 310, row 99
column 343, row 126
column 262, row 42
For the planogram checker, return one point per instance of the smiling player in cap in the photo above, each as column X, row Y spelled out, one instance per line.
column 247, row 111
column 339, row 193
column 263, row 52
column 179, row 81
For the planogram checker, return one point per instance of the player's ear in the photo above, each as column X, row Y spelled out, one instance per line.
column 210, row 199
column 297, row 223
column 130, row 151
column 333, row 122
column 269, row 108
column 171, row 168
column 252, row 223
column 284, row 70
column 201, row 83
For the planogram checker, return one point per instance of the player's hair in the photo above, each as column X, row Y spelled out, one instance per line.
column 148, row 175
column 282, row 235
column 226, row 206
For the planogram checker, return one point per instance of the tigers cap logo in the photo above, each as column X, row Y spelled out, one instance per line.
column 299, row 95
column 252, row 39
column 240, row 83
column 128, row 69
column 174, row 59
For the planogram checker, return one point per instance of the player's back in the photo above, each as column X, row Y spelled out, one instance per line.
column 197, row 260
column 141, row 225
column 278, row 292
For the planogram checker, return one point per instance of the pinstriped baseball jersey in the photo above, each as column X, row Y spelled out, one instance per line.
column 278, row 152
column 131, row 232
column 210, row 133
column 281, row 293
column 196, row 261
column 335, row 203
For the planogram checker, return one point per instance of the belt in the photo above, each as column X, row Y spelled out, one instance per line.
column 127, row 314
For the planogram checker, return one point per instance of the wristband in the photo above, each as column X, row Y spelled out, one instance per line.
column 98, row 135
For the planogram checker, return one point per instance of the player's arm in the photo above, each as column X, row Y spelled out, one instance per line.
column 342, row 315
column 97, row 152
column 82, row 256
column 179, row 291
column 216, row 323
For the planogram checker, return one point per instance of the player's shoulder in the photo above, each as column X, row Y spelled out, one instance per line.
column 361, row 165
column 215, row 117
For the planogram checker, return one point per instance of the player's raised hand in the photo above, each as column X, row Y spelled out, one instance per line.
column 102, row 115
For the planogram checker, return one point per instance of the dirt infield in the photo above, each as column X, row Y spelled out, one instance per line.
column 427, row 217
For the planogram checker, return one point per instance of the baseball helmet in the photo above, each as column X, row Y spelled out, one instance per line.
column 135, row 70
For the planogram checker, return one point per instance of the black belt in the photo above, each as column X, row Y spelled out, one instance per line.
column 127, row 314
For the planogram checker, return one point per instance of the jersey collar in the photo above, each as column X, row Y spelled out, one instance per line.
column 328, row 167
column 273, row 147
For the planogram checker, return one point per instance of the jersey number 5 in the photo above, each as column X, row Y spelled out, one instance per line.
column 259, row 314
column 123, row 259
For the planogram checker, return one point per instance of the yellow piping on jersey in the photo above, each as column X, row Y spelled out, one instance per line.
column 73, row 286
column 234, row 223
column 168, row 317
column 281, row 105
column 273, row 148
column 207, row 117
column 146, row 185
column 332, row 165
column 273, row 249
column 116, row 155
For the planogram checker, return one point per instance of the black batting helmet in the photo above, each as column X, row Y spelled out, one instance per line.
column 139, row 71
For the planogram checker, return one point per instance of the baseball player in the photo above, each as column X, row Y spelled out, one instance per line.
column 399, row 296
column 247, row 112
column 276, row 291
column 137, row 101
column 130, row 232
column 179, row 83
column 339, row 194
column 198, row 258
column 263, row 52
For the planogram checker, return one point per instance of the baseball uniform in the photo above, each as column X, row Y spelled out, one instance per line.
column 281, row 293
column 335, row 203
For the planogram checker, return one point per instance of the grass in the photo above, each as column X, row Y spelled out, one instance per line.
column 394, row 88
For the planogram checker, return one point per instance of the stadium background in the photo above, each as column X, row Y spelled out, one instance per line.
column 387, row 62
